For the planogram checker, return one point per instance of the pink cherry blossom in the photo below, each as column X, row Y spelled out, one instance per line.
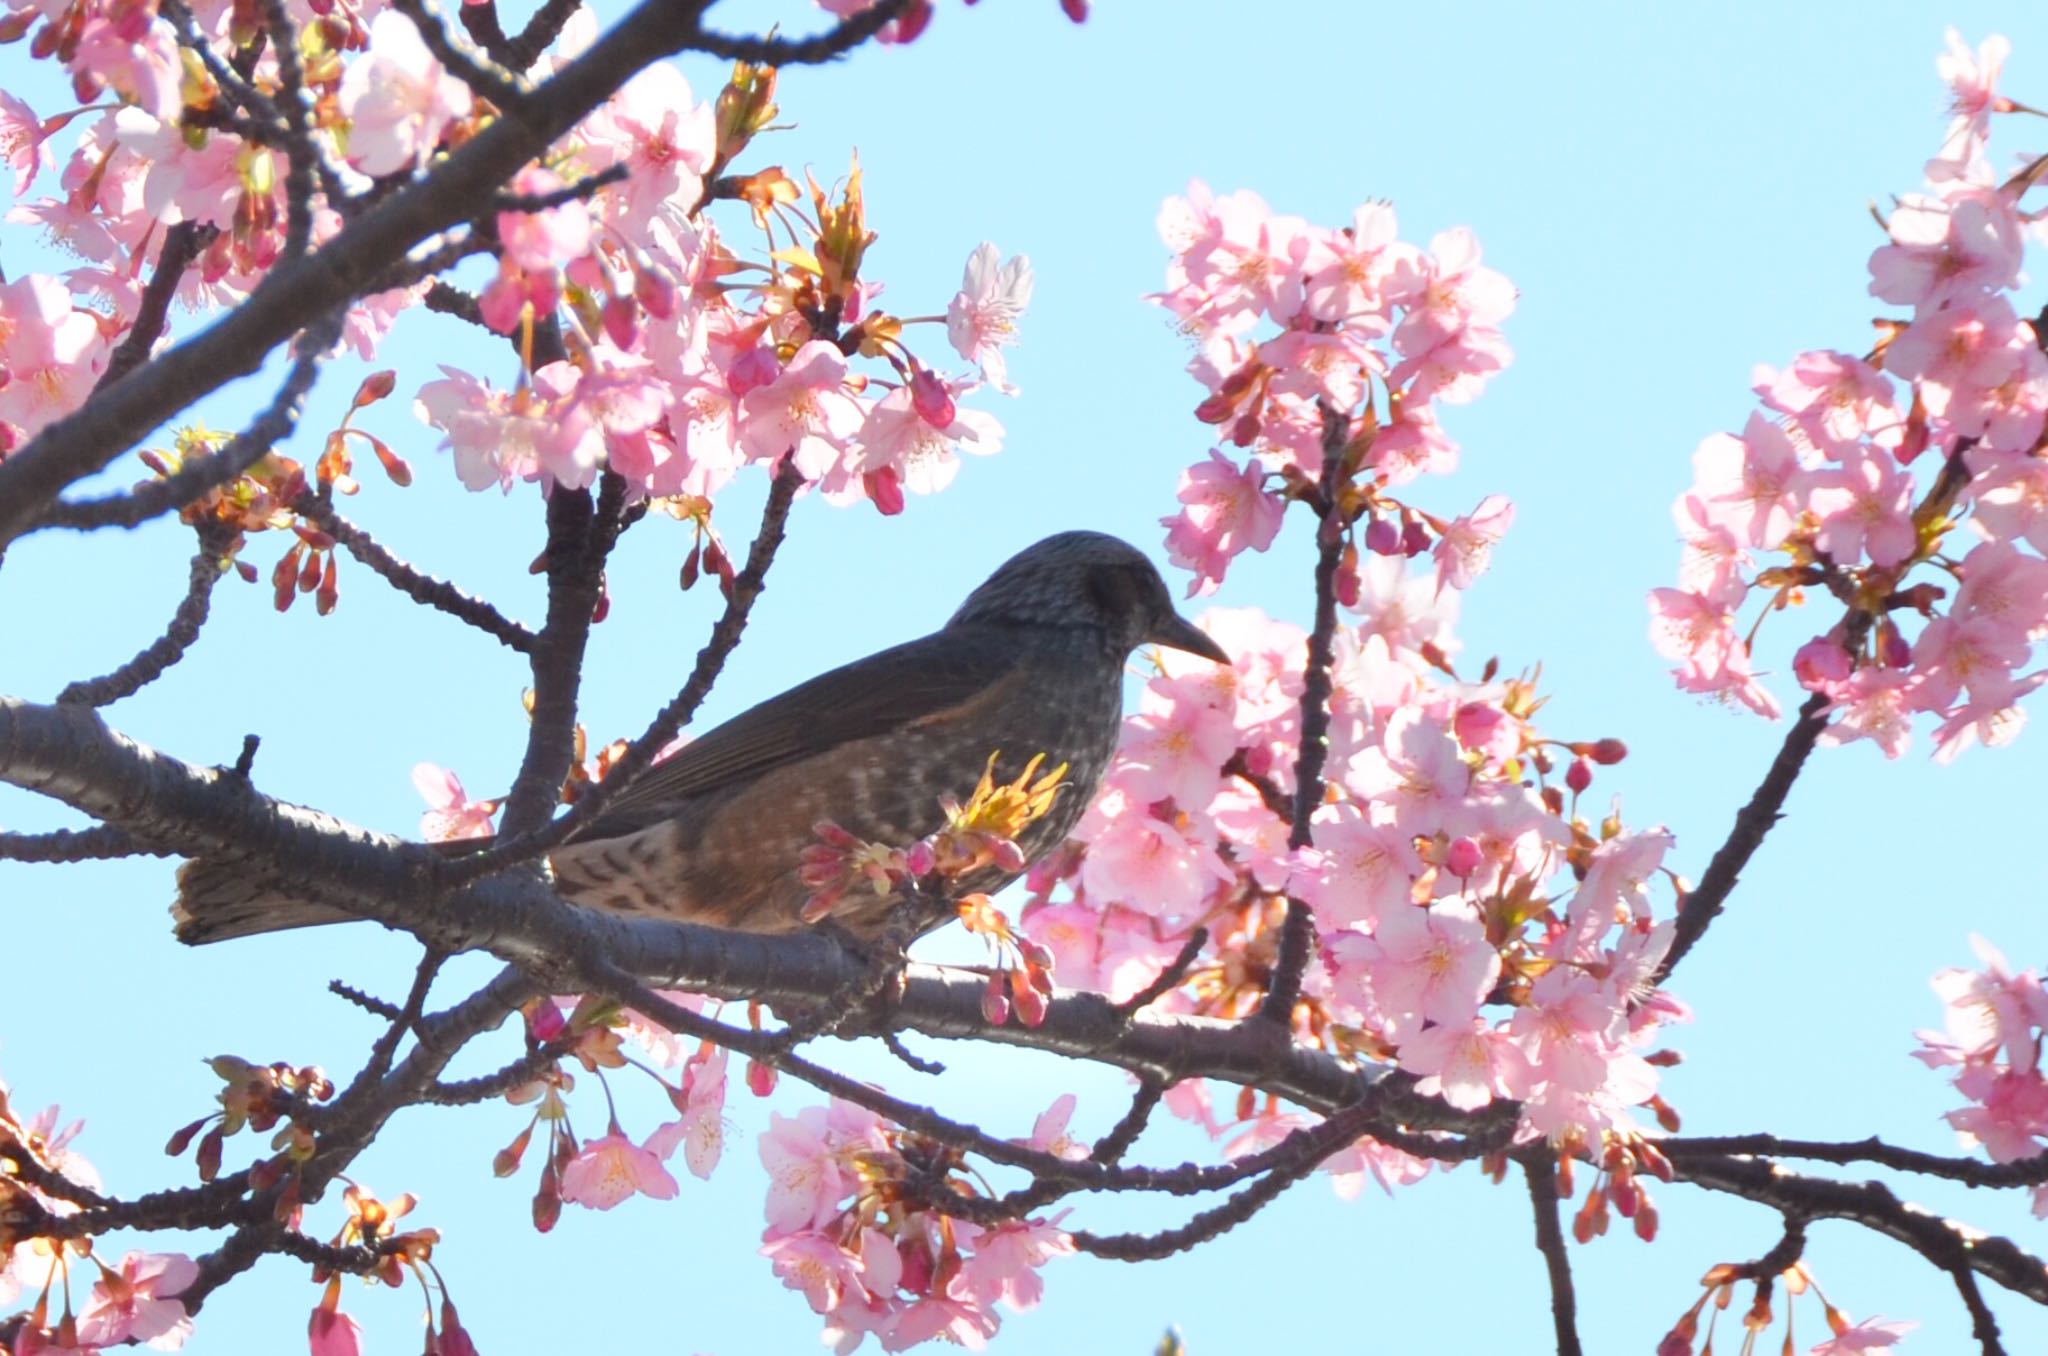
column 1870, row 1334
column 663, row 136
column 1865, row 508
column 1174, row 753
column 23, row 146
column 333, row 1333
column 1466, row 546
column 700, row 1130
column 1148, row 863
column 1948, row 249
column 1357, row 871
column 1959, row 352
column 1834, row 400
column 51, row 351
column 607, row 1170
column 543, row 240
column 1347, row 269
column 1466, row 1064
column 925, row 458
column 1006, row 1260
column 137, row 1302
column 450, row 813
column 982, row 318
column 1753, row 484
column 812, row 1263
column 1432, row 963
column 1049, row 1132
column 805, row 413
column 804, row 1181
column 1874, row 704
column 1248, row 262
column 398, row 99
column 1227, row 511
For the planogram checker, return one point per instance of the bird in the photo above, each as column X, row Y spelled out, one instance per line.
column 1031, row 665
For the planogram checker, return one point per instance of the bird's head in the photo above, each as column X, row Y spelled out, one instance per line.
column 1087, row 579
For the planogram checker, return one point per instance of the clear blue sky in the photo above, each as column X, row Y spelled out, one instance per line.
column 1678, row 193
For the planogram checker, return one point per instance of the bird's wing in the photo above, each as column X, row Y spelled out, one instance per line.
column 872, row 696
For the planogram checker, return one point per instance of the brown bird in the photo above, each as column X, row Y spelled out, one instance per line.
column 1032, row 663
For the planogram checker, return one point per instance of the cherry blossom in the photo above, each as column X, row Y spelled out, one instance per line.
column 981, row 320
column 398, row 99
column 607, row 1170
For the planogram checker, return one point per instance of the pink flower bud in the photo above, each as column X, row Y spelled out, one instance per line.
column 1476, row 722
column 755, row 367
column 1382, row 537
column 622, row 321
column 930, row 398
column 1464, row 857
column 1579, row 776
column 884, row 489
column 654, row 290
column 1819, row 663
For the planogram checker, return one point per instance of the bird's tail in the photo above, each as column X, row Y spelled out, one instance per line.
column 221, row 900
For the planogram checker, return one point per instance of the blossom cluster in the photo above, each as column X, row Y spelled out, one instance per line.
column 848, row 1227
column 1995, row 1024
column 133, row 1301
column 652, row 342
column 1372, row 331
column 1861, row 469
column 1449, row 946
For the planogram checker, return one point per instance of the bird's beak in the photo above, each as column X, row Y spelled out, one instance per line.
column 1178, row 633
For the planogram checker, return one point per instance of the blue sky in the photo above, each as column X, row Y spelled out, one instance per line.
column 1679, row 194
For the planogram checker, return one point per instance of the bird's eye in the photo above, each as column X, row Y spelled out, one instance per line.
column 1116, row 590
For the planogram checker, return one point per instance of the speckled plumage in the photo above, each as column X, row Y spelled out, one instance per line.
column 1031, row 663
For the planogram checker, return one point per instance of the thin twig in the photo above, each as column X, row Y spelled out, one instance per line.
column 1983, row 1323
column 302, row 154
column 1111, row 1148
column 201, row 474
column 168, row 648
column 500, row 88
column 585, row 187
column 101, row 842
column 183, row 243
column 1539, row 1171
column 725, row 637
column 422, row 588
column 1269, row 790
column 1297, row 932
column 1176, row 970
column 2031, row 1171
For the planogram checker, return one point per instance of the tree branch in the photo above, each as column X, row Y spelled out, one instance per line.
column 91, row 437
column 423, row 589
column 168, row 648
column 200, row 474
column 1539, row 1171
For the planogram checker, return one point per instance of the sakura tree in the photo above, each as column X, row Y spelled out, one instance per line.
column 322, row 283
